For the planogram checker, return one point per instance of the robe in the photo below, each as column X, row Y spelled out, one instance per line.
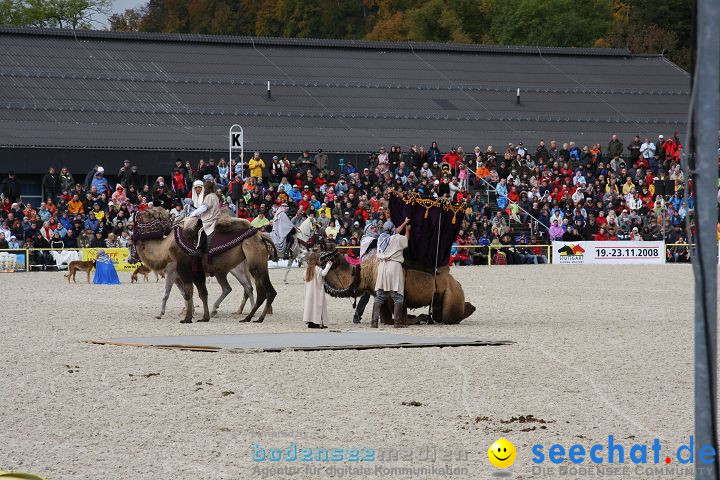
column 390, row 275
column 211, row 214
column 281, row 227
column 305, row 230
column 315, row 307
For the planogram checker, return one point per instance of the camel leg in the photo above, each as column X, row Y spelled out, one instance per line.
column 199, row 281
column 169, row 282
column 243, row 276
column 187, row 291
column 226, row 289
column 171, row 279
column 262, row 282
column 289, row 266
column 454, row 308
column 270, row 295
column 242, row 304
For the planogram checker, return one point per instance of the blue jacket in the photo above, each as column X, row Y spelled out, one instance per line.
column 91, row 224
column 61, row 230
column 295, row 194
column 66, row 222
column 101, row 184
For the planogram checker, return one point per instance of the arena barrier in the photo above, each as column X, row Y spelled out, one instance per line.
column 491, row 250
column 23, row 260
column 611, row 252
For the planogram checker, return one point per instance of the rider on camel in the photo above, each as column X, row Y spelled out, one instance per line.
column 207, row 208
column 283, row 230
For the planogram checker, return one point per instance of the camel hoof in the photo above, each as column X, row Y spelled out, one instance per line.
column 260, row 320
column 204, row 319
column 244, row 320
column 185, row 321
column 213, row 313
column 158, row 317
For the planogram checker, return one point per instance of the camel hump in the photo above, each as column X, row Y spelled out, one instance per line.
column 226, row 223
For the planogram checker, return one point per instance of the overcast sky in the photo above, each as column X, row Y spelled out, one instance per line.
column 117, row 7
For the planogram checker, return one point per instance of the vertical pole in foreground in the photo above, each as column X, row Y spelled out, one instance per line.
column 706, row 112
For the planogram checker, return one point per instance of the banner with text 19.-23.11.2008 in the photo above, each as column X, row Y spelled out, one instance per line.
column 615, row 252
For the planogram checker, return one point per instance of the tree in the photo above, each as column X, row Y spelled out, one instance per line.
column 642, row 26
column 560, row 23
column 52, row 13
column 128, row 21
column 300, row 18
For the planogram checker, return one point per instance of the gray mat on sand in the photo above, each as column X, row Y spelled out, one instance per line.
column 275, row 342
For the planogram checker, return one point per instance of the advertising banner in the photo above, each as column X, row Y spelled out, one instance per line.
column 117, row 255
column 12, row 261
column 615, row 252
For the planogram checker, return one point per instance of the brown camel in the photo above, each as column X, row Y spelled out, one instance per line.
column 449, row 306
column 154, row 254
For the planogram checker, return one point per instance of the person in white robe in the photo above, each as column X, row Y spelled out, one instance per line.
column 315, row 308
column 208, row 209
column 390, row 279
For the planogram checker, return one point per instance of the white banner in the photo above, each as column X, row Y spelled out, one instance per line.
column 598, row 253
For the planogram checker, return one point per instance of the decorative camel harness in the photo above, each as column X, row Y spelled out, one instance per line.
column 349, row 291
column 155, row 230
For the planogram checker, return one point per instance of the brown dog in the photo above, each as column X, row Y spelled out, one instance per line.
column 144, row 271
column 83, row 266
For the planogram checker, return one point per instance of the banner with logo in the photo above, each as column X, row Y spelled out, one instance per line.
column 612, row 252
column 117, row 255
column 12, row 261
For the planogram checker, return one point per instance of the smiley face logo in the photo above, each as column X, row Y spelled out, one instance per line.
column 501, row 453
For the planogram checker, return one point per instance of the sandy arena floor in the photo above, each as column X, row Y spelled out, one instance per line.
column 600, row 350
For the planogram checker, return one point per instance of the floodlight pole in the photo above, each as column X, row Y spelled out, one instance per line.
column 236, row 139
column 706, row 120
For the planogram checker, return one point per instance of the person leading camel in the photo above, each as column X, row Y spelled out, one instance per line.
column 368, row 246
column 390, row 276
column 315, row 311
column 208, row 209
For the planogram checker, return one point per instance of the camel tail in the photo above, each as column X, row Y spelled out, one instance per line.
column 272, row 250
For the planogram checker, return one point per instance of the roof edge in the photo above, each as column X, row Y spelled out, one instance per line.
column 312, row 42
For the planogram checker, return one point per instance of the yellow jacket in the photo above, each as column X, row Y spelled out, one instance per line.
column 256, row 167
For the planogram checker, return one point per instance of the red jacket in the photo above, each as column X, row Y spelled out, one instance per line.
column 361, row 212
column 178, row 180
column 452, row 159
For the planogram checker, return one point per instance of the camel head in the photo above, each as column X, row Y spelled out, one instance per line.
column 151, row 224
column 342, row 279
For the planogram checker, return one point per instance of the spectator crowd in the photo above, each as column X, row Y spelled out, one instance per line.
column 517, row 197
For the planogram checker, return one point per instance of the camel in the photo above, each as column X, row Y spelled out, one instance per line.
column 153, row 247
column 240, row 273
column 449, row 306
column 172, row 277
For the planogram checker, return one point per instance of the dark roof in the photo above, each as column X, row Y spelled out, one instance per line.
column 99, row 89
